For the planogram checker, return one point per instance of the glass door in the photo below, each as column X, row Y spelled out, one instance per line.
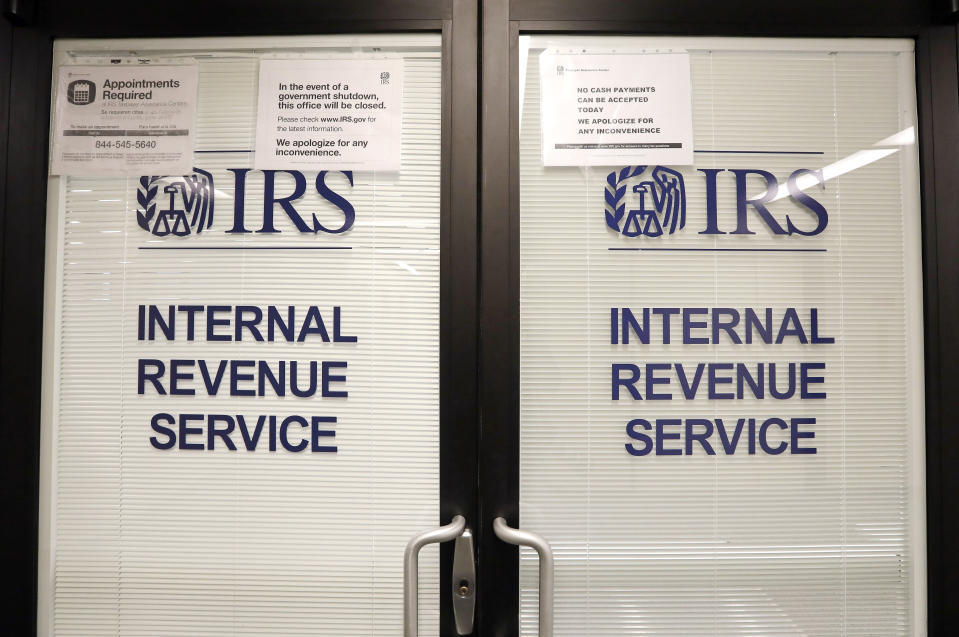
column 720, row 363
column 242, row 427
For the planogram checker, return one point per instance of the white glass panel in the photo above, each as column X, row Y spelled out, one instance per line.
column 793, row 544
column 141, row 541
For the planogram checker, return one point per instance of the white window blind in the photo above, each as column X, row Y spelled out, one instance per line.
column 141, row 541
column 823, row 544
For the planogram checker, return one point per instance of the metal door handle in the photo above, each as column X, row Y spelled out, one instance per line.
column 526, row 538
column 411, row 565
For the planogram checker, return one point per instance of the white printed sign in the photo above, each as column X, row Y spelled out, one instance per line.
column 329, row 115
column 616, row 109
column 124, row 120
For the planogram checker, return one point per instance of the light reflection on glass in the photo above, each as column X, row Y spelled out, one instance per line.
column 858, row 159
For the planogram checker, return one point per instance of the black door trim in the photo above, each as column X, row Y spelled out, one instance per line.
column 938, row 89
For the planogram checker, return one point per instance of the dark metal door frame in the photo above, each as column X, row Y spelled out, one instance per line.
column 938, row 109
column 23, row 177
column 481, row 253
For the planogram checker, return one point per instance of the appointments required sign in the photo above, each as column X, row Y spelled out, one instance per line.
column 329, row 114
column 124, row 119
column 613, row 109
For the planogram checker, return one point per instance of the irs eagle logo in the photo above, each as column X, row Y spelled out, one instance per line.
column 175, row 205
column 662, row 202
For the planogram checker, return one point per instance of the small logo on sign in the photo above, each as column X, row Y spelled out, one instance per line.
column 385, row 77
column 81, row 92
column 176, row 205
column 661, row 199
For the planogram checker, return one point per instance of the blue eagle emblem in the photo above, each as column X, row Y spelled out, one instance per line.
column 662, row 202
column 175, row 205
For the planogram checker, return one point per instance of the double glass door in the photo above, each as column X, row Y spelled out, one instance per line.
column 261, row 404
